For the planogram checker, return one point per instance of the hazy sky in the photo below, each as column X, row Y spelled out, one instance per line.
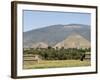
column 39, row 19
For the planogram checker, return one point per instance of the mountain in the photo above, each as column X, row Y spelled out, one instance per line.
column 53, row 34
column 74, row 41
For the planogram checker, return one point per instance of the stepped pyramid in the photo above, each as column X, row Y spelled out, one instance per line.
column 74, row 41
column 39, row 45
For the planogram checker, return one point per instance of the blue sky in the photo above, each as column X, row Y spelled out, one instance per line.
column 38, row 19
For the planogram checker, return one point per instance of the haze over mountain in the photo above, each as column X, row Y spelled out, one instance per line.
column 53, row 34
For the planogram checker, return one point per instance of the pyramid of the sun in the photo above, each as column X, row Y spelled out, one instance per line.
column 74, row 41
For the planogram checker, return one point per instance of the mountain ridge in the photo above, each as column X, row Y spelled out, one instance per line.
column 54, row 34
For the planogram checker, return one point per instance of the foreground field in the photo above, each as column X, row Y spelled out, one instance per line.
column 55, row 64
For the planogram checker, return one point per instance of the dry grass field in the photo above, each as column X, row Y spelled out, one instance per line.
column 55, row 64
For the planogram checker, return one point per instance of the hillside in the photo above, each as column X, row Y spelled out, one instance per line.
column 53, row 34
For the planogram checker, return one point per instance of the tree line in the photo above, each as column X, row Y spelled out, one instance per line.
column 58, row 54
